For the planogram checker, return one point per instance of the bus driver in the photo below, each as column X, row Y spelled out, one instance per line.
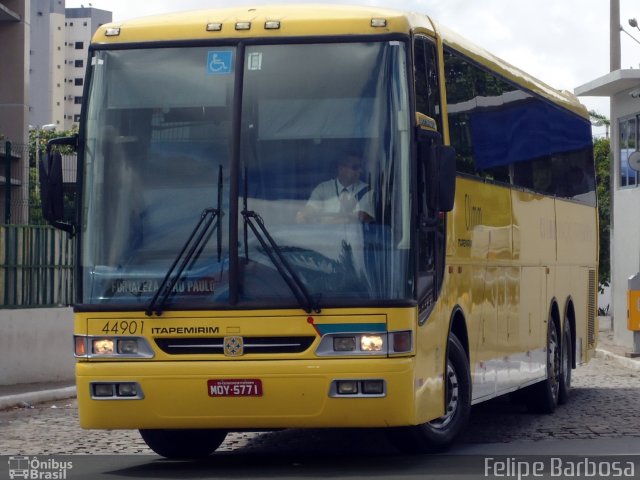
column 344, row 199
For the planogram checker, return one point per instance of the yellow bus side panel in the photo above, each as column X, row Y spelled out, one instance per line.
column 511, row 255
column 577, row 271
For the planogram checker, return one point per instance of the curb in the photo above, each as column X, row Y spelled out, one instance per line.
column 29, row 398
column 624, row 361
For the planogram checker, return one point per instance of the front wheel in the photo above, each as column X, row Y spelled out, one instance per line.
column 186, row 444
column 440, row 433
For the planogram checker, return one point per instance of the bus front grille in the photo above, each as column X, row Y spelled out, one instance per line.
column 251, row 345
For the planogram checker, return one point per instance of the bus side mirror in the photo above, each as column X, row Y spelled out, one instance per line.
column 441, row 177
column 52, row 186
column 50, row 170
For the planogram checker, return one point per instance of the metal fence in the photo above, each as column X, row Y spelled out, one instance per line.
column 36, row 260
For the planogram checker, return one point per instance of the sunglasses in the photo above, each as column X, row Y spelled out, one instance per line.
column 353, row 166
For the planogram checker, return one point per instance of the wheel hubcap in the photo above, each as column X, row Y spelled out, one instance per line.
column 452, row 399
column 554, row 363
column 566, row 365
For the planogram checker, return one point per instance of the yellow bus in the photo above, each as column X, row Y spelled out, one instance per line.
column 322, row 216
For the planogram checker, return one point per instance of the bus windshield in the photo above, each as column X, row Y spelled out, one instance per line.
column 303, row 150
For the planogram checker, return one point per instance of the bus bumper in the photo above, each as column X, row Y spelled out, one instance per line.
column 295, row 394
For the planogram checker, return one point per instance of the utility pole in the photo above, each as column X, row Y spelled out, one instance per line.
column 614, row 36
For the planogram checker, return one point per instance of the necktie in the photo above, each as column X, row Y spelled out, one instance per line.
column 346, row 201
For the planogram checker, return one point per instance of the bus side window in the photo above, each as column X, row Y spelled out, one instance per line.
column 430, row 239
column 426, row 79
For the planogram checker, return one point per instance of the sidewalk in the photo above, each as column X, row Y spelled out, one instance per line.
column 26, row 395
column 609, row 350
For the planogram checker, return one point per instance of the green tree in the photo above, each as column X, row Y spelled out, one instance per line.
column 602, row 154
column 599, row 120
column 41, row 137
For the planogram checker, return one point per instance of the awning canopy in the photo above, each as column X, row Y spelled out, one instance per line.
column 610, row 84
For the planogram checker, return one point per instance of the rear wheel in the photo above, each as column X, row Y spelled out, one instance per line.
column 566, row 364
column 438, row 434
column 543, row 396
column 183, row 443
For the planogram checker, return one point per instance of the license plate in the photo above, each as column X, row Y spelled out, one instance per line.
column 245, row 387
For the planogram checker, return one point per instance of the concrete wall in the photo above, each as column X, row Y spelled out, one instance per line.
column 36, row 345
column 625, row 235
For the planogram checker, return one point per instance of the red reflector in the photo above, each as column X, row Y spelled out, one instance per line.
column 402, row 342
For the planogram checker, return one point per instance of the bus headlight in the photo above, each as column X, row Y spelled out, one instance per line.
column 371, row 343
column 128, row 346
column 111, row 347
column 102, row 346
column 366, row 343
column 344, row 344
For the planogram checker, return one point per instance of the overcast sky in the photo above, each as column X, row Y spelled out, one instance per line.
column 564, row 43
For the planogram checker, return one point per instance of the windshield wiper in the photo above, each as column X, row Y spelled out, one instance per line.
column 274, row 252
column 195, row 240
column 194, row 243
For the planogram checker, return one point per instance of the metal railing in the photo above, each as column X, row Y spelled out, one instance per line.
column 36, row 260
column 36, row 266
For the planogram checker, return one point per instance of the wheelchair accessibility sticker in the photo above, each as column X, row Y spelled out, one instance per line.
column 220, row 62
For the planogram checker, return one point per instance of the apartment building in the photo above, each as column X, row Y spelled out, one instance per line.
column 14, row 108
column 14, row 52
column 47, row 64
column 80, row 24
column 59, row 41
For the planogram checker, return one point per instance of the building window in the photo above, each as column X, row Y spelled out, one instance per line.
column 79, row 45
column 78, row 82
column 77, row 100
column 79, row 63
column 84, row 24
column 628, row 145
column 76, row 118
column 71, row 24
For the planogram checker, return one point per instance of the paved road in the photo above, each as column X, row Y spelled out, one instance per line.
column 603, row 408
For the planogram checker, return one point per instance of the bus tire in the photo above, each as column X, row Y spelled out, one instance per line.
column 566, row 364
column 543, row 396
column 440, row 433
column 185, row 444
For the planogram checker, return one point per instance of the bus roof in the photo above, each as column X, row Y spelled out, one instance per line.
column 508, row 71
column 315, row 20
column 295, row 20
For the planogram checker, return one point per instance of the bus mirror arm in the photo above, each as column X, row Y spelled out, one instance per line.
column 441, row 169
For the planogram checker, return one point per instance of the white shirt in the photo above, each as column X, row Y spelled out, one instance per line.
column 326, row 198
